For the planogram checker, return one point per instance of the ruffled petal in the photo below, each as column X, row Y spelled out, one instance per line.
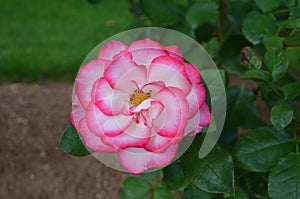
column 104, row 125
column 91, row 140
column 144, row 44
column 200, row 120
column 109, row 101
column 175, row 52
column 145, row 56
column 193, row 73
column 86, row 77
column 136, row 135
column 111, row 49
column 174, row 117
column 196, row 98
column 122, row 71
column 171, row 71
column 137, row 160
column 77, row 113
column 159, row 144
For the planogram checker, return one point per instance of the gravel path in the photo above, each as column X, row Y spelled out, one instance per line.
column 32, row 118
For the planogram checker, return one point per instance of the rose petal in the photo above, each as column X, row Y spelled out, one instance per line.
column 91, row 140
column 171, row 71
column 175, row 52
column 175, row 113
column 111, row 49
column 122, row 71
column 145, row 44
column 86, row 77
column 145, row 56
column 193, row 73
column 159, row 144
column 77, row 113
column 137, row 160
column 200, row 120
column 136, row 135
column 196, row 98
column 104, row 125
column 109, row 101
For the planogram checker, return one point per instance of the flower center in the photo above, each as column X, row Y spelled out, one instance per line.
column 138, row 97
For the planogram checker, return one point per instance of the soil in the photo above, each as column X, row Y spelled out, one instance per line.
column 32, row 119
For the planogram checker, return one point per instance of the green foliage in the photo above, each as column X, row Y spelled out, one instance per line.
column 135, row 188
column 257, row 27
column 260, row 149
column 284, row 178
column 71, row 143
column 257, row 42
column 281, row 114
column 213, row 173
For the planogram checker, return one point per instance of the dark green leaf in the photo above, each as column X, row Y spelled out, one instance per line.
column 277, row 63
column 291, row 91
column 238, row 10
column 239, row 193
column 255, row 74
column 257, row 27
column 134, row 188
column 71, row 143
column 161, row 12
column 161, row 193
column 192, row 192
column 173, row 176
column 295, row 12
column 241, row 111
column 281, row 114
column 284, row 179
column 201, row 12
column 267, row 5
column 152, row 175
column 259, row 149
column 213, row 173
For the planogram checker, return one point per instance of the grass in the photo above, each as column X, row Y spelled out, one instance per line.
column 41, row 40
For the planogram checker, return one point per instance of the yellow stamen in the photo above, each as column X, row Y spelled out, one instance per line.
column 138, row 97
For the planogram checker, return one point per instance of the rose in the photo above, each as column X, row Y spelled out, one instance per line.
column 138, row 101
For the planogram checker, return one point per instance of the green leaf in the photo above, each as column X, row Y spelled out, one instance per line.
column 192, row 192
column 201, row 12
column 277, row 62
column 173, row 176
column 161, row 193
column 291, row 91
column 267, row 5
column 71, row 143
column 152, row 175
column 255, row 74
column 161, row 12
column 281, row 114
column 259, row 149
column 241, row 111
column 284, row 179
column 213, row 173
column 256, row 27
column 239, row 193
column 134, row 188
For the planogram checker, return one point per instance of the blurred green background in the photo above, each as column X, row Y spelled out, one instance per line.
column 42, row 40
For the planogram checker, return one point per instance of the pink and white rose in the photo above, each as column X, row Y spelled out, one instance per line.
column 138, row 101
